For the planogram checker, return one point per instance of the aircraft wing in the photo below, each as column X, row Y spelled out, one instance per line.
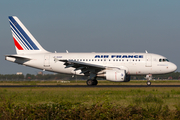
column 86, row 68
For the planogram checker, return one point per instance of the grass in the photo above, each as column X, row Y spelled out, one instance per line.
column 89, row 96
column 101, row 103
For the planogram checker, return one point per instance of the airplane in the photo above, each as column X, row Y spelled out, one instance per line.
column 117, row 67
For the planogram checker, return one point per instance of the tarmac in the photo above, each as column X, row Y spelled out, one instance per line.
column 85, row 86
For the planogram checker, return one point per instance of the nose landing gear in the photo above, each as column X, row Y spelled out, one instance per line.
column 148, row 83
column 148, row 78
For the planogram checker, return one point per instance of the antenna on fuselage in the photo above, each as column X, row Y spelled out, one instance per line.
column 67, row 51
column 146, row 51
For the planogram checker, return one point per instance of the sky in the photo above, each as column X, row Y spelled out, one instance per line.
column 93, row 26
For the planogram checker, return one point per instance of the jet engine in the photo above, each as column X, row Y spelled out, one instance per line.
column 117, row 76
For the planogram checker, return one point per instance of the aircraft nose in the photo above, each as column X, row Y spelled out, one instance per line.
column 173, row 67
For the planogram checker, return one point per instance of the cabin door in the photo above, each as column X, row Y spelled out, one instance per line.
column 148, row 60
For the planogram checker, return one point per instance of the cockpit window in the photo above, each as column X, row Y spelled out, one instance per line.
column 163, row 60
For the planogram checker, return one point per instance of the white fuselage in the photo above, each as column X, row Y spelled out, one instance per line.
column 133, row 63
column 113, row 66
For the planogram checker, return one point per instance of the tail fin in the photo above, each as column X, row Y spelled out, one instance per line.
column 24, row 42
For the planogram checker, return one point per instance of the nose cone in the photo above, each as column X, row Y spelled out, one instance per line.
column 173, row 67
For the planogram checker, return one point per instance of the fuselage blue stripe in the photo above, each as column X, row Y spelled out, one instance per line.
column 24, row 34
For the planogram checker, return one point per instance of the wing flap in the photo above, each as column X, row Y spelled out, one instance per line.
column 77, row 63
column 86, row 68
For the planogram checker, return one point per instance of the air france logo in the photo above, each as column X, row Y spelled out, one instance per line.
column 118, row 56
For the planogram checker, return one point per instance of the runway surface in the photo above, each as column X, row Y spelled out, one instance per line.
column 85, row 86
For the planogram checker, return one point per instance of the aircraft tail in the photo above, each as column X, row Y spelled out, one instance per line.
column 24, row 42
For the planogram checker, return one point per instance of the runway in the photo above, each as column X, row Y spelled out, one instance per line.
column 85, row 86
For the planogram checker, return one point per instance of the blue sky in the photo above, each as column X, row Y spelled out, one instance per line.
column 93, row 26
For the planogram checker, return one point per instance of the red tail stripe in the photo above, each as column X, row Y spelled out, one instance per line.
column 17, row 44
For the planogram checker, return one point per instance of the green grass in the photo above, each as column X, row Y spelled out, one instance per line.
column 90, row 102
column 88, row 96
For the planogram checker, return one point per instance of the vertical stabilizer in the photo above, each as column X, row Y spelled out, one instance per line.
column 24, row 42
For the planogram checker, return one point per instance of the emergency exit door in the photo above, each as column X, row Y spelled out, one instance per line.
column 46, row 61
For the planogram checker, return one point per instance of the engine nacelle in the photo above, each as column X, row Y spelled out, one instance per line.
column 117, row 76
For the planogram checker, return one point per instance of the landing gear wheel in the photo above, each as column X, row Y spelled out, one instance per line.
column 95, row 82
column 89, row 82
column 148, row 83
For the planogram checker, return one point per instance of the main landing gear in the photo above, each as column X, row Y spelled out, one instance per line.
column 91, row 82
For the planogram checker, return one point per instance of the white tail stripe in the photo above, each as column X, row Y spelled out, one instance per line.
column 24, row 42
column 19, row 40
column 20, row 36
column 14, row 23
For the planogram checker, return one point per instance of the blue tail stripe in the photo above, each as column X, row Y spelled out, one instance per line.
column 24, row 34
column 19, row 38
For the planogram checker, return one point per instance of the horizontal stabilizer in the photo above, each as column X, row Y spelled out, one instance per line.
column 18, row 56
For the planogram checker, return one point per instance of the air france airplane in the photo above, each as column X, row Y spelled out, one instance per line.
column 117, row 67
